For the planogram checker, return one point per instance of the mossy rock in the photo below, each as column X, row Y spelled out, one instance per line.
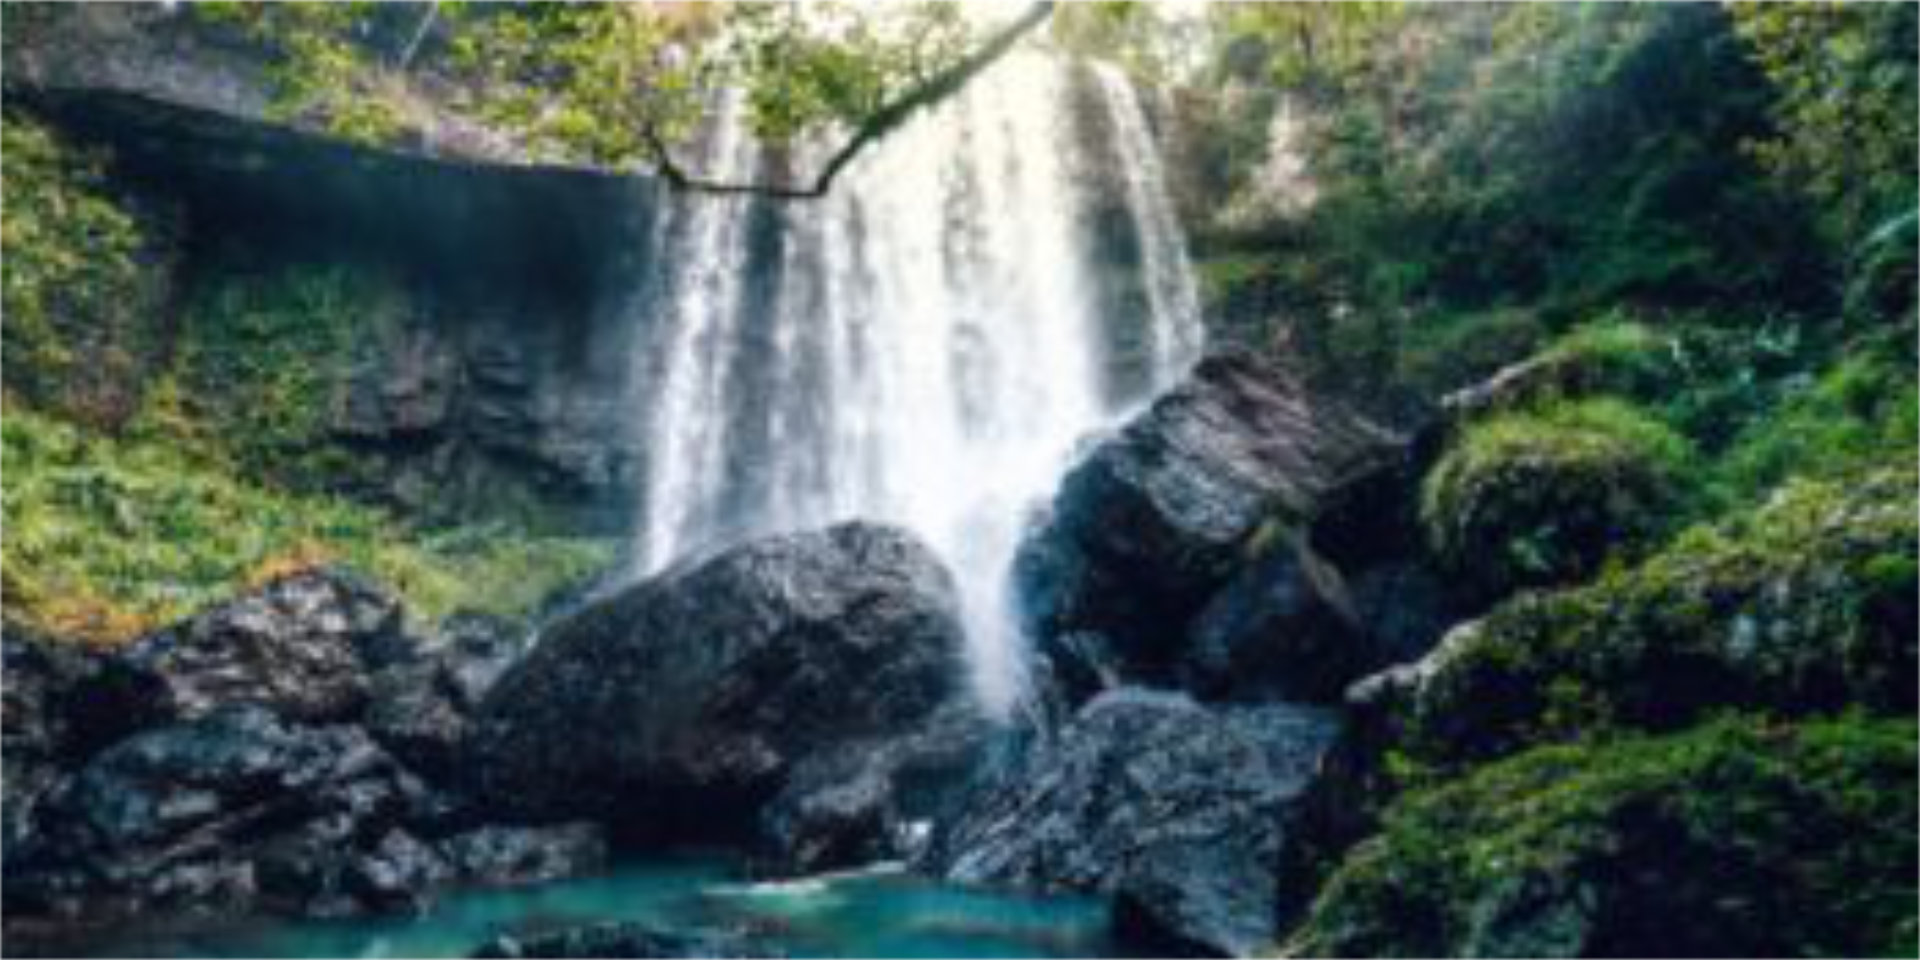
column 1739, row 838
column 1533, row 499
column 1805, row 604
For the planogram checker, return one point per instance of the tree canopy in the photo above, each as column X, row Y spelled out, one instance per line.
column 626, row 83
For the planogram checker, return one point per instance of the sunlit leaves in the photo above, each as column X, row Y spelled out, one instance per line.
column 1846, row 78
column 610, row 83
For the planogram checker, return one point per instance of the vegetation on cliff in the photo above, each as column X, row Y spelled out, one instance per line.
column 108, row 538
column 84, row 280
column 1803, row 604
column 166, row 447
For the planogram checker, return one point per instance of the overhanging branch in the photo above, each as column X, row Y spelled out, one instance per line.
column 882, row 122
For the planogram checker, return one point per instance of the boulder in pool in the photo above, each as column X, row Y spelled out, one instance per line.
column 624, row 939
column 1174, row 808
column 677, row 708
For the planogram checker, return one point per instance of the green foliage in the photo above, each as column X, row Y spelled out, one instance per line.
column 1849, row 92
column 1864, row 409
column 80, row 295
column 1566, row 160
column 322, row 73
column 109, row 538
column 1537, row 498
column 257, row 364
column 611, row 83
column 1804, row 604
column 1740, row 837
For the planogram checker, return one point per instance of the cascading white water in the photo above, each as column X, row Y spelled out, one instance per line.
column 922, row 347
column 1171, row 289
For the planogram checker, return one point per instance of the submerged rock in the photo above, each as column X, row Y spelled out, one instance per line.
column 1175, row 808
column 676, row 709
column 514, row 855
column 303, row 645
column 1159, row 518
column 625, row 939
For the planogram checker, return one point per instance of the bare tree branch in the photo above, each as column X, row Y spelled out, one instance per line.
column 419, row 34
column 882, row 122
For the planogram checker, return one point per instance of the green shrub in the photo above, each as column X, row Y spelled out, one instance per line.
column 261, row 356
column 1739, row 838
column 107, row 539
column 1803, row 605
column 82, row 278
column 1537, row 498
column 1863, row 410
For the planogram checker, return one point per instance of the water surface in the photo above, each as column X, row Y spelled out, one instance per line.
column 876, row 913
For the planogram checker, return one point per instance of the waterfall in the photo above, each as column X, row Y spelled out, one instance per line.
column 921, row 347
column 1168, row 276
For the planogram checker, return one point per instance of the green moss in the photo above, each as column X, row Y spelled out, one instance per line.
column 109, row 538
column 1805, row 604
column 1738, row 838
column 260, row 362
column 80, row 280
column 1538, row 498
column 1865, row 409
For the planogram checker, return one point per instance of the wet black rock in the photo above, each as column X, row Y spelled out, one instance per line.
column 60, row 704
column 513, row 855
column 1174, row 808
column 303, row 645
column 872, row 800
column 676, row 709
column 233, row 808
column 415, row 718
column 1157, row 519
column 1284, row 627
column 622, row 939
column 420, row 709
column 1079, row 665
column 475, row 650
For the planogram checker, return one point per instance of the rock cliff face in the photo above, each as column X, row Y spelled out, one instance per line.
column 499, row 373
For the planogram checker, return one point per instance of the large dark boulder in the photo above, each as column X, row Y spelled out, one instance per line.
column 303, row 645
column 231, row 809
column 1174, row 808
column 678, row 707
column 1157, row 519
